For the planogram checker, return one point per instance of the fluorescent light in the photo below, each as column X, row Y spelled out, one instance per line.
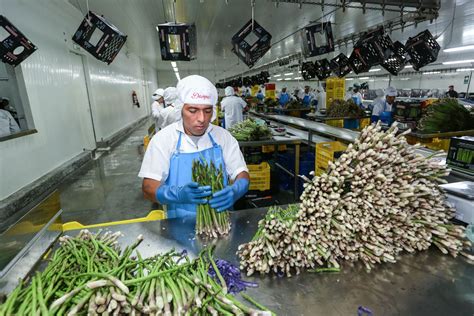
column 464, row 69
column 404, row 78
column 431, row 72
column 364, row 78
column 288, row 79
column 289, row 74
column 458, row 49
column 279, row 79
column 275, row 76
column 375, row 70
column 173, row 64
column 157, row 29
column 299, row 71
column 349, row 79
column 409, row 66
column 298, row 78
column 175, row 69
column 458, row 62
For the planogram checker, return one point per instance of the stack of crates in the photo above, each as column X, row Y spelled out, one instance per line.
column 259, row 177
column 326, row 152
column 335, row 89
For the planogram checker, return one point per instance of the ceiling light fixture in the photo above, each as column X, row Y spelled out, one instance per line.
column 404, row 78
column 289, row 74
column 408, row 66
column 298, row 78
column 173, row 64
column 276, row 76
column 458, row 62
column 364, row 78
column 349, row 79
column 458, row 49
column 464, row 69
column 279, row 79
column 375, row 70
column 431, row 72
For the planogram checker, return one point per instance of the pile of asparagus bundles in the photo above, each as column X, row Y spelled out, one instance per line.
column 90, row 275
column 378, row 199
column 210, row 223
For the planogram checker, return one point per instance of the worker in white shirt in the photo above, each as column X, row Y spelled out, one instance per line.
column 383, row 109
column 233, row 108
column 157, row 107
column 357, row 97
column 307, row 97
column 172, row 111
column 379, row 99
column 349, row 94
column 167, row 165
column 321, row 97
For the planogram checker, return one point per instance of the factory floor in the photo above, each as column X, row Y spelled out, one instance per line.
column 108, row 188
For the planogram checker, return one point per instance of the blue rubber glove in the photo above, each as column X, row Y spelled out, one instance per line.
column 190, row 193
column 225, row 198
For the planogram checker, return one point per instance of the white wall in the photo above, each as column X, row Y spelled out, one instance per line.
column 52, row 76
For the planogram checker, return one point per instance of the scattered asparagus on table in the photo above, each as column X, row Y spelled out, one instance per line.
column 210, row 223
column 249, row 130
column 378, row 199
column 91, row 275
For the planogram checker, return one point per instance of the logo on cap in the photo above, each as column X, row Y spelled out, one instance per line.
column 197, row 95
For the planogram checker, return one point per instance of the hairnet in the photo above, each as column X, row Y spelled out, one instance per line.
column 379, row 92
column 229, row 91
column 170, row 95
column 391, row 92
column 197, row 90
column 157, row 94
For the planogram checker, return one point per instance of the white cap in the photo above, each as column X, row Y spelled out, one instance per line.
column 379, row 92
column 157, row 94
column 170, row 95
column 196, row 89
column 391, row 92
column 229, row 91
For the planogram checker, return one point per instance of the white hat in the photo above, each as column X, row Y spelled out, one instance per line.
column 379, row 92
column 391, row 92
column 170, row 95
column 157, row 94
column 229, row 91
column 197, row 90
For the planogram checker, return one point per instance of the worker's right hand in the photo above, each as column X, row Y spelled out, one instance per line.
column 190, row 193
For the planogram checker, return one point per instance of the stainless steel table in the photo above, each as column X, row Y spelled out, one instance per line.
column 426, row 283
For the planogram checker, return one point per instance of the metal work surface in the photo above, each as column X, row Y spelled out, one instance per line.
column 443, row 135
column 426, row 283
column 321, row 128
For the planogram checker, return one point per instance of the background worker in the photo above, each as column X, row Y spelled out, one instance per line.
column 167, row 165
column 383, row 108
column 233, row 108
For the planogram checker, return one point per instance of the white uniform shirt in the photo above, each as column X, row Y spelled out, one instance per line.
column 156, row 163
column 381, row 106
column 156, row 109
column 232, row 107
column 8, row 124
column 321, row 97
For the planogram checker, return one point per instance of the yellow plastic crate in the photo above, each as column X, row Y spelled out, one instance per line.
column 431, row 143
column 325, row 153
column 335, row 123
column 146, row 141
column 259, row 177
column 363, row 123
column 271, row 148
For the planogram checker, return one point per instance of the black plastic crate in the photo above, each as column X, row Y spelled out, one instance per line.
column 323, row 68
column 422, row 49
column 397, row 60
column 308, row 70
column 340, row 65
column 358, row 64
column 461, row 153
column 375, row 47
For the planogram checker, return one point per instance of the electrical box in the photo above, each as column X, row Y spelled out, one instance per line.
column 317, row 39
column 251, row 42
column 99, row 37
column 15, row 47
column 177, row 41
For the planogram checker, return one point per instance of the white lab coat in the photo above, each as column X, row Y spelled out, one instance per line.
column 170, row 115
column 380, row 105
column 233, row 107
column 8, row 124
column 156, row 162
column 156, row 109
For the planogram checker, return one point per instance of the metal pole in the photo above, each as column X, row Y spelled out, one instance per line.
column 468, row 85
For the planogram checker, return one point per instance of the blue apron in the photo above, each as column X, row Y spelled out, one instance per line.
column 307, row 100
column 284, row 99
column 385, row 117
column 181, row 173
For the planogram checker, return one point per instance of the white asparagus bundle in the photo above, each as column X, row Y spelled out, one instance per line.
column 378, row 199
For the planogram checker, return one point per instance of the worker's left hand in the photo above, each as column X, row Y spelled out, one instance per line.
column 225, row 198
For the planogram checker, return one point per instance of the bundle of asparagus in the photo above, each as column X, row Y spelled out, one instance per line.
column 379, row 199
column 249, row 130
column 89, row 274
column 210, row 223
column 446, row 115
column 341, row 108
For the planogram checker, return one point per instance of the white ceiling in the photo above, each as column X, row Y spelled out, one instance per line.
column 218, row 20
